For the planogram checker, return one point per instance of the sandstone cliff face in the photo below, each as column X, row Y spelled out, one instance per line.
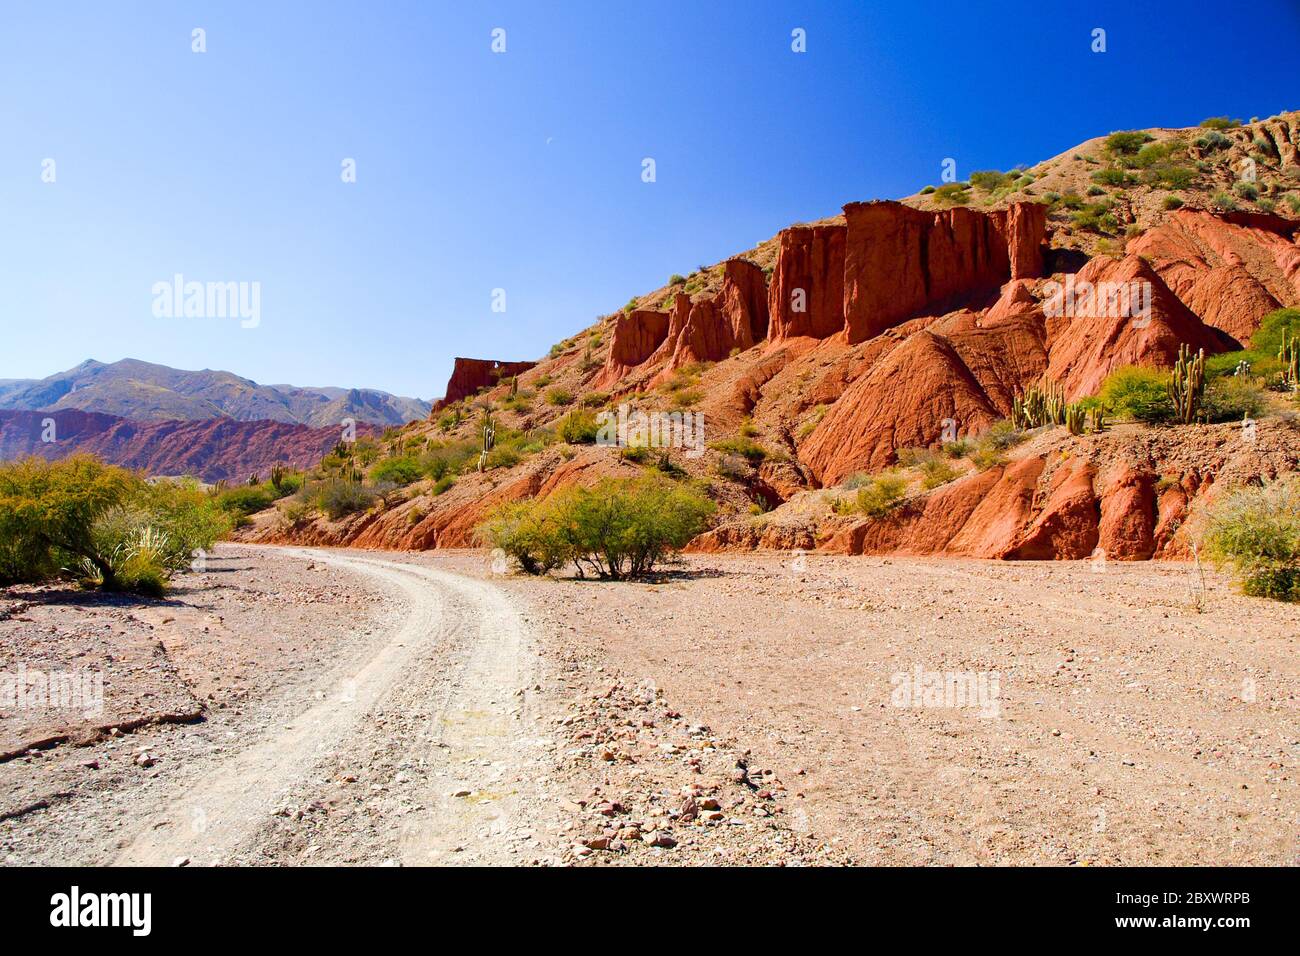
column 899, row 261
column 213, row 449
column 806, row 296
column 468, row 375
column 1230, row 270
column 1096, row 339
column 635, row 338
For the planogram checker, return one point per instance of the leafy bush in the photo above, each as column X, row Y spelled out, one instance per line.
column 1137, row 393
column 1246, row 190
column 118, row 530
column 559, row 397
column 1256, row 531
column 1126, row 143
column 1172, row 202
column 443, row 484
column 1110, row 176
column 952, row 193
column 937, row 472
column 400, row 471
column 615, row 529
column 339, row 498
column 1213, row 141
column 245, row 500
column 878, row 495
column 1232, row 398
column 746, row 448
column 579, row 427
column 1219, row 122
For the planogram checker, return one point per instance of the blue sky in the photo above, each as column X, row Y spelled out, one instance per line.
column 522, row 170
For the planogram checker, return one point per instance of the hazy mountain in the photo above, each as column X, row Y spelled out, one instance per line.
column 147, row 392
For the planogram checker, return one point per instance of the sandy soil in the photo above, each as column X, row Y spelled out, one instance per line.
column 350, row 707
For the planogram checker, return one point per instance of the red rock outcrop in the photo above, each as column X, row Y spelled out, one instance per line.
column 213, row 449
column 1231, row 270
column 901, row 400
column 637, row 335
column 468, row 375
column 899, row 261
column 1095, row 334
column 707, row 330
column 806, row 295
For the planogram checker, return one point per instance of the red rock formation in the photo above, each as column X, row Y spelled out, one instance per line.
column 806, row 296
column 1095, row 337
column 899, row 261
column 1128, row 516
column 1230, row 270
column 636, row 337
column 210, row 449
column 1066, row 526
column 708, row 330
column 901, row 400
column 469, row 375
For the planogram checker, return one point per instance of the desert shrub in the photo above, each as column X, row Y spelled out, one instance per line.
column 937, row 472
column 595, row 400
column 1246, row 190
column 579, row 427
column 245, row 500
column 1231, row 398
column 1256, row 532
column 733, row 468
column 991, row 179
column 985, row 457
column 926, row 190
column 746, row 448
column 338, row 498
column 915, row 457
column 399, row 471
column 1172, row 202
column 117, row 530
column 880, row 493
column 1137, row 393
column 1126, row 143
column 1219, row 122
column 1213, row 141
column 1110, row 176
column 559, row 397
column 952, row 193
column 957, row 449
column 443, row 484
column 1002, row 435
column 617, row 528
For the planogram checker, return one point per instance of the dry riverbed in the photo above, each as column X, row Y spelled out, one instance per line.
column 294, row 706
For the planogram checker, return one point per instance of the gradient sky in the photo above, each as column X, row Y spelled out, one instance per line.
column 520, row 170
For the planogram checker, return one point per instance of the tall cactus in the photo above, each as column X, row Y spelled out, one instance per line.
column 1096, row 421
column 1289, row 356
column 1187, row 384
column 1074, row 418
column 489, row 439
column 278, row 474
column 1040, row 405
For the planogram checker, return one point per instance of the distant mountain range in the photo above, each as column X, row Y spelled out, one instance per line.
column 142, row 391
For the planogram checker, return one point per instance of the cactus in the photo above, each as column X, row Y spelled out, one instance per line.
column 489, row 439
column 514, row 385
column 278, row 474
column 1096, row 421
column 1289, row 356
column 1187, row 384
column 1074, row 418
column 1040, row 405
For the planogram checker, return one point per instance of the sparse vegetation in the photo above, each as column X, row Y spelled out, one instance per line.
column 1256, row 532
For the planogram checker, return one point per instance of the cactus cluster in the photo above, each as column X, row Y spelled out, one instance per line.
column 1096, row 421
column 1289, row 356
column 1074, row 419
column 278, row 474
column 1040, row 405
column 1187, row 384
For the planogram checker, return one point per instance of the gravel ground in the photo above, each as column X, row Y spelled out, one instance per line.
column 742, row 709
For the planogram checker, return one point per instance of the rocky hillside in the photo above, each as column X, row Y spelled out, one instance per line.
column 212, row 449
column 147, row 392
column 827, row 351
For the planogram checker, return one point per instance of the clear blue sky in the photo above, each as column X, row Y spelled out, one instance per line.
column 520, row 170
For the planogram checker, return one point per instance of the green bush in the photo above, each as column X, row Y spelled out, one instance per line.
column 339, row 498
column 746, row 448
column 1126, row 143
column 615, row 529
column 244, row 500
column 1137, row 393
column 952, row 193
column 1256, row 531
column 443, row 484
column 559, row 397
column 1219, row 122
column 110, row 525
column 878, row 495
column 579, row 427
column 399, row 471
column 1232, row 398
